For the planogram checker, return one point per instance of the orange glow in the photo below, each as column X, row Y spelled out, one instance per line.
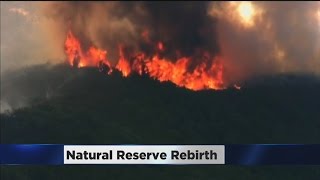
column 123, row 65
column 72, row 47
column 246, row 11
column 138, row 63
column 209, row 74
column 90, row 58
column 200, row 78
column 81, row 65
column 317, row 15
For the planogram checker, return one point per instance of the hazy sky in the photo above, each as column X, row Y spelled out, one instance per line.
column 24, row 39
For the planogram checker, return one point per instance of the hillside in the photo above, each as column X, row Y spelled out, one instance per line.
column 82, row 106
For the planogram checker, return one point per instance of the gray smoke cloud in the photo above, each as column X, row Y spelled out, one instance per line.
column 24, row 37
column 26, row 40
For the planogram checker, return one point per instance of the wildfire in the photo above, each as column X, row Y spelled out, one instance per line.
column 78, row 58
column 123, row 65
column 207, row 75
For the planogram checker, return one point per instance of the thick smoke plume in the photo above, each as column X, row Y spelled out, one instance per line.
column 252, row 37
column 269, row 37
column 185, row 27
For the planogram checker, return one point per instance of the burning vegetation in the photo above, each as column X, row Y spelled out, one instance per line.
column 206, row 75
column 195, row 45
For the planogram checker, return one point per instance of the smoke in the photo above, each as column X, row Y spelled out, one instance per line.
column 19, row 11
column 252, row 37
column 25, row 39
column 269, row 37
column 139, row 26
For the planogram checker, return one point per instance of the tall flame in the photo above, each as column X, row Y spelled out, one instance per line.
column 207, row 75
column 90, row 58
column 123, row 65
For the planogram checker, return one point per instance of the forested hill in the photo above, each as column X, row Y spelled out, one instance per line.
column 83, row 106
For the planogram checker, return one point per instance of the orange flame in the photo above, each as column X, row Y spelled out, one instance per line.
column 123, row 65
column 207, row 75
column 90, row 58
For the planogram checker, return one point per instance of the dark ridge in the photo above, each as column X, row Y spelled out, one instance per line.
column 87, row 107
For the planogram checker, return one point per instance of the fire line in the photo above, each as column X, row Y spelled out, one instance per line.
column 209, row 74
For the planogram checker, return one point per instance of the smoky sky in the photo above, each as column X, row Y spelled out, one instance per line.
column 284, row 36
column 180, row 26
column 276, row 37
column 184, row 25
